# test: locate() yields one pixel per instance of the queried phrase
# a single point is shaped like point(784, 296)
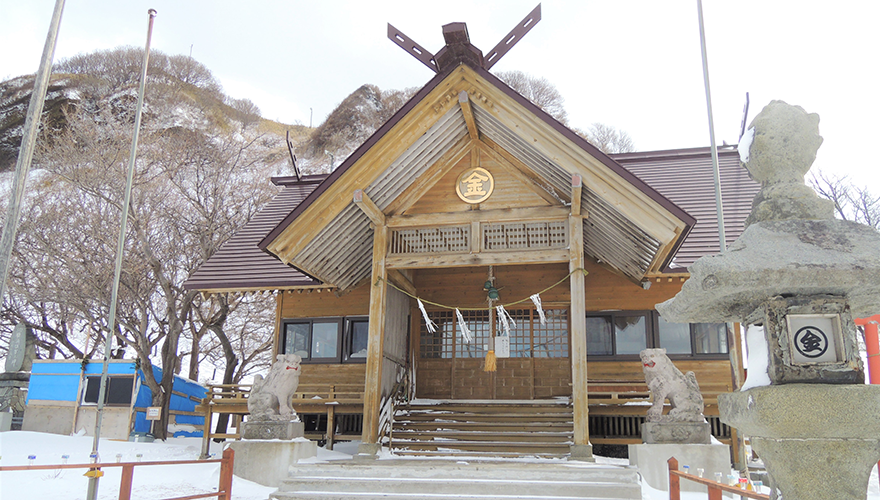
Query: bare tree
point(608, 139)
point(851, 202)
point(539, 91)
point(192, 190)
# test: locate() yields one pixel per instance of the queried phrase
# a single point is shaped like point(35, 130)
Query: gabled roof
point(686, 177)
point(240, 265)
point(631, 227)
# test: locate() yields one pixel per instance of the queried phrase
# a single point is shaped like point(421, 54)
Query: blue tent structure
point(63, 395)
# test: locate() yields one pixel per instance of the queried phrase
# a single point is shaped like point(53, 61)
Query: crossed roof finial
point(458, 46)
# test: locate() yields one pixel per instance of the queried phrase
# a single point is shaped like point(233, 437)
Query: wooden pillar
point(375, 346)
point(581, 449)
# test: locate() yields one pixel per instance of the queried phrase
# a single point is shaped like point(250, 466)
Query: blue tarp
point(59, 381)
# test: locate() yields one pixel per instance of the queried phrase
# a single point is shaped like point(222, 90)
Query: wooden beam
point(401, 281)
point(517, 169)
point(577, 183)
point(469, 216)
point(579, 387)
point(376, 339)
point(433, 260)
point(427, 180)
point(301, 231)
point(369, 208)
point(468, 114)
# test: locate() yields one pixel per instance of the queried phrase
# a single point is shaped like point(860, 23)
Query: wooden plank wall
point(396, 318)
point(509, 191)
point(463, 287)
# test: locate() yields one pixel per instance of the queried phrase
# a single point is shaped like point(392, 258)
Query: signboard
point(814, 338)
point(475, 185)
point(17, 347)
point(153, 412)
point(502, 346)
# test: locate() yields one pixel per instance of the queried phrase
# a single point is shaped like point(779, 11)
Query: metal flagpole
point(721, 240)
point(111, 322)
point(28, 142)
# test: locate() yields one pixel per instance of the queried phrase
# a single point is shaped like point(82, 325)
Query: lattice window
point(551, 340)
point(529, 338)
point(439, 344)
point(525, 235)
point(478, 324)
point(431, 239)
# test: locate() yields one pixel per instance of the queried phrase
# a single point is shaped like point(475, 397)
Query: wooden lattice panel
point(525, 235)
point(431, 240)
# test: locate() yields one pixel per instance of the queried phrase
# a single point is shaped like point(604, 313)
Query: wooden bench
point(323, 399)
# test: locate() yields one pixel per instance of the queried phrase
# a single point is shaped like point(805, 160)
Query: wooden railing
point(224, 488)
point(715, 488)
point(328, 399)
point(617, 392)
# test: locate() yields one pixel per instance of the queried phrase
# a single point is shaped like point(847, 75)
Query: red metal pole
point(674, 481)
point(125, 483)
point(872, 342)
point(226, 465)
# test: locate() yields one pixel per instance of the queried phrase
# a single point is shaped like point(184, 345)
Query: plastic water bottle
point(31, 459)
point(64, 459)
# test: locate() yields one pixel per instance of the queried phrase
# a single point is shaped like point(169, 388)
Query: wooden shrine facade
point(470, 180)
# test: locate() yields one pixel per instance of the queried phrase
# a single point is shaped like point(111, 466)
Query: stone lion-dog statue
point(270, 398)
point(666, 381)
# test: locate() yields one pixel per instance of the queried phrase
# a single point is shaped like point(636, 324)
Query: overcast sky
point(631, 64)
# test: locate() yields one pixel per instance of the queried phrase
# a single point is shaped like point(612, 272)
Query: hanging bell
point(487, 285)
point(493, 293)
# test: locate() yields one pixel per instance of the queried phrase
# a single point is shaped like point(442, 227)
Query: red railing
point(715, 488)
point(224, 490)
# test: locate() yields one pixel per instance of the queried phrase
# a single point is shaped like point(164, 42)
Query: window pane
point(439, 343)
point(478, 324)
point(360, 333)
point(296, 339)
point(93, 385)
point(675, 337)
point(710, 338)
point(599, 336)
point(630, 334)
point(325, 339)
point(521, 334)
point(551, 339)
point(119, 390)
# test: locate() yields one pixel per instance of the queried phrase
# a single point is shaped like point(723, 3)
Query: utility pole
point(28, 142)
point(92, 493)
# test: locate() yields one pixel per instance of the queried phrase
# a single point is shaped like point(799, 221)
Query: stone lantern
point(803, 275)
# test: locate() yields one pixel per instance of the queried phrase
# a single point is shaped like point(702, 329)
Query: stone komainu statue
point(666, 381)
point(269, 398)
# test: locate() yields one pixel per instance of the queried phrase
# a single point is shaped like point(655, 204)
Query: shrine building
point(468, 198)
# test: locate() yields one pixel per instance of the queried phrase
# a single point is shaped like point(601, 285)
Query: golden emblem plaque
point(475, 185)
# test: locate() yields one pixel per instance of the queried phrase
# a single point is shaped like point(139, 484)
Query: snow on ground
point(163, 481)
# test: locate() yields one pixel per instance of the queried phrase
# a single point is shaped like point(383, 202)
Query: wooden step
point(482, 417)
point(495, 446)
point(490, 407)
point(484, 426)
point(439, 436)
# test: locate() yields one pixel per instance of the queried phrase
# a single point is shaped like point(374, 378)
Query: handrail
point(715, 488)
point(224, 489)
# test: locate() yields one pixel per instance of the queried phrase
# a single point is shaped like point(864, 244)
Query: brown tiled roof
point(240, 265)
point(685, 177)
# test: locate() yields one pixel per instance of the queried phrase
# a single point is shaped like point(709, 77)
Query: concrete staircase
point(441, 479)
point(483, 429)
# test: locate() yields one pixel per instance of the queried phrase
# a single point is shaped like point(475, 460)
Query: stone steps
point(420, 479)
